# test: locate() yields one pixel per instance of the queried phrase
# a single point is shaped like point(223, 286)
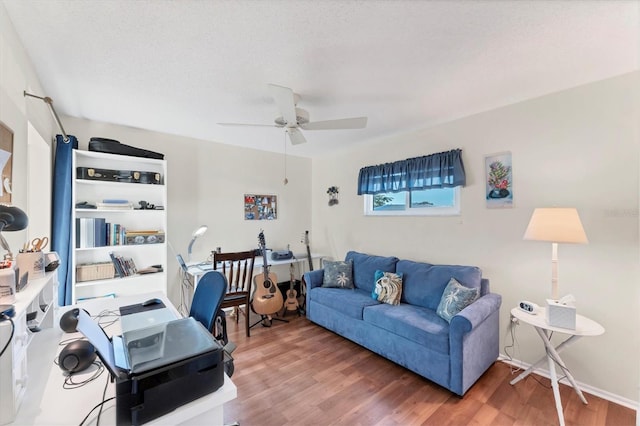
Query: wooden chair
point(238, 269)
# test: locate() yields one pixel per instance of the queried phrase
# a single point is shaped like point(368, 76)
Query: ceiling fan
point(294, 119)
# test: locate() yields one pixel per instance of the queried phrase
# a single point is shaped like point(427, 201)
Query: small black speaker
point(69, 320)
point(76, 356)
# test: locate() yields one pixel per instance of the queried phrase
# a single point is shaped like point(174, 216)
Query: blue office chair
point(207, 298)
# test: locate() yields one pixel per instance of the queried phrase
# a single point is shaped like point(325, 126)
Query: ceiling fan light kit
point(293, 119)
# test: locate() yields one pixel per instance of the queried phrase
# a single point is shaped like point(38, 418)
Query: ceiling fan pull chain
point(286, 181)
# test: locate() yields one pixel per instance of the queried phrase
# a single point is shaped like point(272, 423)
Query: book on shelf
point(124, 266)
point(91, 232)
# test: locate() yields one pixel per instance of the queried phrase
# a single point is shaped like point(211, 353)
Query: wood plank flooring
point(298, 373)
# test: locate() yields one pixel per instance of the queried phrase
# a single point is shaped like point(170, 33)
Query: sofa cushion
point(350, 302)
point(455, 298)
point(420, 325)
point(365, 267)
point(423, 283)
point(387, 288)
point(338, 274)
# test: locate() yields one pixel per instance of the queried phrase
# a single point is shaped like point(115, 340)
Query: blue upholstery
point(365, 267)
point(351, 302)
point(208, 298)
point(424, 283)
point(453, 355)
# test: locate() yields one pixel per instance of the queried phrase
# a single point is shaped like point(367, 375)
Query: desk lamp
point(11, 219)
point(197, 233)
point(556, 225)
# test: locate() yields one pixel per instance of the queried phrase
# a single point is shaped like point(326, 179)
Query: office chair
point(207, 298)
point(238, 269)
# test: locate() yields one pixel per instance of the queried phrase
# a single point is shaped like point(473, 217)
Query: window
point(424, 202)
point(424, 186)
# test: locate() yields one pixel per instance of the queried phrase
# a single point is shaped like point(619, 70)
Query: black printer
point(159, 368)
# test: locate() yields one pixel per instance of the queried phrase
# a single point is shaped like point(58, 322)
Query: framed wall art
point(6, 163)
point(260, 207)
point(498, 180)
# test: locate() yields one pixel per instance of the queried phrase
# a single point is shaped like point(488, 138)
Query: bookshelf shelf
point(95, 192)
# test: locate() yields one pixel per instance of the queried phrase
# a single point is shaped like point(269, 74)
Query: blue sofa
point(452, 354)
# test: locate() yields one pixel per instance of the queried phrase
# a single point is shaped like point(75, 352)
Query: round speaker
point(69, 320)
point(76, 356)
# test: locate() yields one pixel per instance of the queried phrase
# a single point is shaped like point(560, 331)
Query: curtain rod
point(47, 100)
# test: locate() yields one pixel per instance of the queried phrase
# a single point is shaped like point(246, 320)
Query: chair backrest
point(208, 297)
point(237, 267)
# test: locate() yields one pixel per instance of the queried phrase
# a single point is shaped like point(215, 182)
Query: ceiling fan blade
point(285, 101)
point(296, 136)
point(247, 125)
point(344, 123)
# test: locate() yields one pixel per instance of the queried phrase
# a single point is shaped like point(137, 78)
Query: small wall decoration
point(499, 180)
point(333, 192)
point(6, 163)
point(260, 207)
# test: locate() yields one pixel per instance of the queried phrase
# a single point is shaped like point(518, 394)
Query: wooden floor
point(299, 373)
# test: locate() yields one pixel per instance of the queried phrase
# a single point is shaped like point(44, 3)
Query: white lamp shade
point(556, 225)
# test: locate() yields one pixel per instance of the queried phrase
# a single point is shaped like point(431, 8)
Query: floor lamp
point(555, 225)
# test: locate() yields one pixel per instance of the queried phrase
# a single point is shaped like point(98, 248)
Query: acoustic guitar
point(291, 304)
point(267, 298)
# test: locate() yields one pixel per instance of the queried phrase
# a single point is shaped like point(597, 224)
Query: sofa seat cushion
point(423, 283)
point(350, 302)
point(415, 323)
point(365, 267)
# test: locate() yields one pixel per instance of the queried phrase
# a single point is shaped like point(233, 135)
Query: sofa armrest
point(313, 278)
point(467, 319)
point(474, 341)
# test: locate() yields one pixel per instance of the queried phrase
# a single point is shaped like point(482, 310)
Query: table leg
point(556, 389)
point(539, 362)
point(558, 360)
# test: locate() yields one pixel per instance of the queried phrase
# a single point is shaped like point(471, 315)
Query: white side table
point(584, 327)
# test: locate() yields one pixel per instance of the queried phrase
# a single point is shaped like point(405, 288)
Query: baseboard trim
point(617, 399)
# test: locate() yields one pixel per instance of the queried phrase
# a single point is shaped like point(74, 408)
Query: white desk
point(47, 403)
point(584, 327)
point(196, 270)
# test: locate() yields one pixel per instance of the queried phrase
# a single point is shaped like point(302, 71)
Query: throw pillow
point(455, 298)
point(387, 287)
point(338, 274)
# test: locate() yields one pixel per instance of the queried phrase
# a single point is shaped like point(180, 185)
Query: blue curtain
point(61, 217)
point(442, 170)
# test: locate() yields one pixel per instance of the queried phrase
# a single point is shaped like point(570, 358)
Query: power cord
point(13, 329)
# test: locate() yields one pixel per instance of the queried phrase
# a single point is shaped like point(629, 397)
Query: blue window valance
point(441, 170)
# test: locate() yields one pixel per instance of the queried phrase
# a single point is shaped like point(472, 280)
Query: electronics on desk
point(177, 362)
point(77, 356)
point(528, 307)
point(281, 255)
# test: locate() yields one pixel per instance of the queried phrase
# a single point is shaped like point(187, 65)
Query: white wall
point(16, 111)
point(576, 148)
point(206, 182)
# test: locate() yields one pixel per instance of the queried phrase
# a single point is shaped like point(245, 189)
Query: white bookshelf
point(144, 255)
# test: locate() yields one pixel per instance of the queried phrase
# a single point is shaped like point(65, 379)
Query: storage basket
point(94, 271)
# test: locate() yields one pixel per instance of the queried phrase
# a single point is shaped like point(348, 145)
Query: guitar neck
point(309, 258)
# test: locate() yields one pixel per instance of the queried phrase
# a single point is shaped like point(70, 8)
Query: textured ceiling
point(182, 66)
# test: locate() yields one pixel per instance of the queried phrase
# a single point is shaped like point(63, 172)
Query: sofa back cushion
point(424, 283)
point(365, 267)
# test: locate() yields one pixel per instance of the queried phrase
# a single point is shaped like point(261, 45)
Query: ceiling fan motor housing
point(302, 118)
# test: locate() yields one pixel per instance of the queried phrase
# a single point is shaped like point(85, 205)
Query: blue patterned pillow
point(455, 298)
point(338, 274)
point(387, 287)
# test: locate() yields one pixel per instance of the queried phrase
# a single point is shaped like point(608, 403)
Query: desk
point(584, 327)
point(196, 270)
point(47, 403)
